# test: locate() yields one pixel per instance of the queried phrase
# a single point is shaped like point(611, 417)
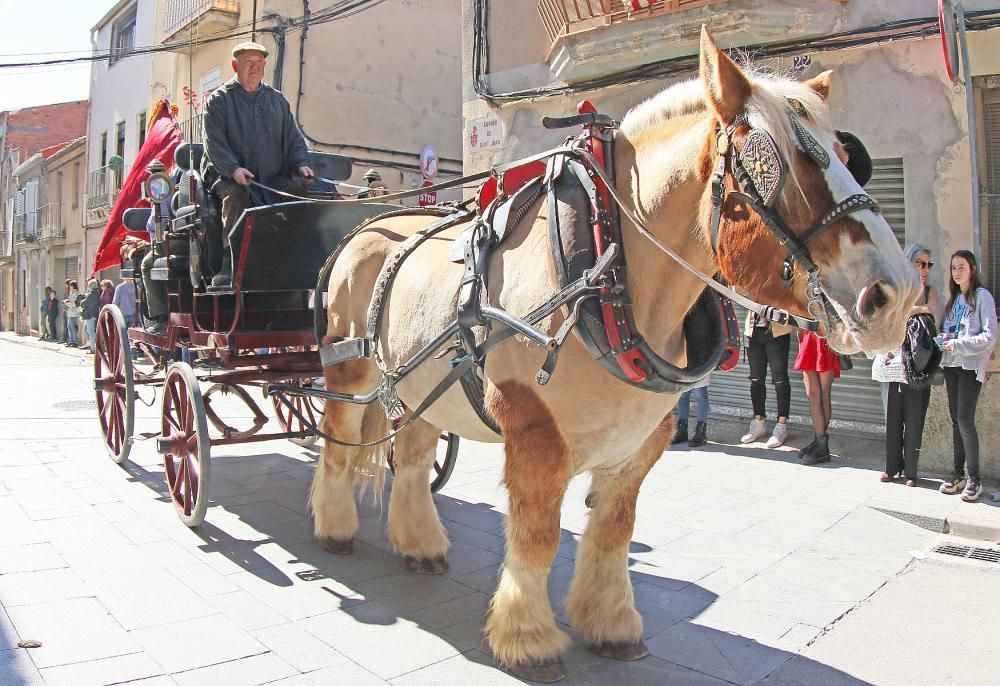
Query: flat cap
point(249, 46)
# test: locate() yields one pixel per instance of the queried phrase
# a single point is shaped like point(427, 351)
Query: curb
point(32, 342)
point(969, 527)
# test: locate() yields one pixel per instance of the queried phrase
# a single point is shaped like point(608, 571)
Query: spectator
point(700, 438)
point(969, 333)
point(91, 309)
point(52, 314)
point(904, 399)
point(107, 292)
point(768, 346)
point(819, 366)
point(125, 300)
point(72, 308)
point(43, 324)
point(65, 325)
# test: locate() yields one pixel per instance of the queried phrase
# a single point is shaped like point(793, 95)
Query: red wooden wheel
point(310, 408)
point(185, 444)
point(113, 383)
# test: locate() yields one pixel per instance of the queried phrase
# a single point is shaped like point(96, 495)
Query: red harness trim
point(632, 362)
point(513, 179)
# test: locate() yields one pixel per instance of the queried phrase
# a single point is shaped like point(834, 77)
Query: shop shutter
point(886, 186)
point(990, 183)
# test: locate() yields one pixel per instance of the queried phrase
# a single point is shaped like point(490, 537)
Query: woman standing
point(107, 292)
point(768, 346)
point(72, 304)
point(91, 310)
point(969, 333)
point(905, 406)
point(819, 366)
point(700, 394)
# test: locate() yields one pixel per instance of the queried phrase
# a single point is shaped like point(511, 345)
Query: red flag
point(163, 138)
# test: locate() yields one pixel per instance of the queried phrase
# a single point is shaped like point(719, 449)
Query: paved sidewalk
point(748, 567)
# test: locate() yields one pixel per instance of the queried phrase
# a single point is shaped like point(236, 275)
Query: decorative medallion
point(762, 161)
point(809, 144)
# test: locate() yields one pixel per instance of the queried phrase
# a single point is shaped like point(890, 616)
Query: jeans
point(766, 350)
point(905, 411)
point(91, 325)
point(963, 396)
point(684, 404)
point(73, 330)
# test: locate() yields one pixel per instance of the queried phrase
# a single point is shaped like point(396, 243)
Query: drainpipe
point(970, 107)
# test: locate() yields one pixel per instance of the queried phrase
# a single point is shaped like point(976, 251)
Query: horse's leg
point(601, 604)
point(331, 498)
point(521, 629)
point(415, 530)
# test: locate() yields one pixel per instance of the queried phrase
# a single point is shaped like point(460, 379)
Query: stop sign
point(425, 199)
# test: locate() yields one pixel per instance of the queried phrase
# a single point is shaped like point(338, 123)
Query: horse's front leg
point(601, 604)
point(414, 528)
point(521, 629)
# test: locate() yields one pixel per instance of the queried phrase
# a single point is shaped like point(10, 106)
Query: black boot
point(699, 439)
point(681, 435)
point(224, 279)
point(820, 453)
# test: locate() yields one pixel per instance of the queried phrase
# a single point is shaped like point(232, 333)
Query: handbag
point(845, 362)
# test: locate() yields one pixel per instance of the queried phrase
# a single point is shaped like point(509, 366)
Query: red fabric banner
point(162, 139)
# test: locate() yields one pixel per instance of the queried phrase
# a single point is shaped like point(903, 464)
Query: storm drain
point(76, 405)
point(967, 551)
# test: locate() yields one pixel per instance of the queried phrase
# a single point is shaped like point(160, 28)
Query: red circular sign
point(949, 40)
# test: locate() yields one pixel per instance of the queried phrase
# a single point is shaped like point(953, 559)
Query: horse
point(585, 420)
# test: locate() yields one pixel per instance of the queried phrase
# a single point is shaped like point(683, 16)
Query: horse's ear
point(726, 86)
point(820, 85)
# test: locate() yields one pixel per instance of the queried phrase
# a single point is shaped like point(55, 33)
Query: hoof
point(427, 565)
point(543, 671)
point(339, 547)
point(621, 651)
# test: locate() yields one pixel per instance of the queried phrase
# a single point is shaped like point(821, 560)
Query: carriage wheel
point(185, 444)
point(113, 383)
point(444, 461)
point(310, 408)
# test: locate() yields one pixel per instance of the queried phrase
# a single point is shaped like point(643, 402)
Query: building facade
point(525, 59)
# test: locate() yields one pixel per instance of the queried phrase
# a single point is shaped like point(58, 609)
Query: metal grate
point(966, 551)
point(76, 405)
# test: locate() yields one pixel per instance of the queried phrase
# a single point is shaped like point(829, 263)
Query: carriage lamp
point(158, 187)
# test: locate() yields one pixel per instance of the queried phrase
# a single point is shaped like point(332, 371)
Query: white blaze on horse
point(584, 419)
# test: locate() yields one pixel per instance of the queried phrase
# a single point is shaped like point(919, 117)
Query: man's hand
point(307, 174)
point(242, 176)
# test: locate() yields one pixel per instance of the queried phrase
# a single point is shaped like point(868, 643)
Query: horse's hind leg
point(601, 604)
point(415, 530)
point(521, 629)
point(335, 514)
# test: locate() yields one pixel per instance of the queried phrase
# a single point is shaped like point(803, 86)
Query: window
point(989, 181)
point(104, 148)
point(59, 187)
point(142, 128)
point(120, 151)
point(123, 35)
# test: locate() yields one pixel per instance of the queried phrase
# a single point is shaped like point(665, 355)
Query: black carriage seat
point(328, 167)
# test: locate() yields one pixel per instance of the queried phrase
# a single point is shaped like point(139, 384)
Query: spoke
point(187, 486)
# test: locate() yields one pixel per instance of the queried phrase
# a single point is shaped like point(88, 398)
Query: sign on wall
point(484, 134)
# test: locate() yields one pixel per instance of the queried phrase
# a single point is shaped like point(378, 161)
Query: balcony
point(182, 18)
point(50, 225)
point(593, 38)
point(191, 128)
point(103, 185)
point(25, 228)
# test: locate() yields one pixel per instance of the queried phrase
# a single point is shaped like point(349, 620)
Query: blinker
point(762, 161)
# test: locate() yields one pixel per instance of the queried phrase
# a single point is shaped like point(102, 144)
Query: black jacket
point(920, 355)
point(92, 304)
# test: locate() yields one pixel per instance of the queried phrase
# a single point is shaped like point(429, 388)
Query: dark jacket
point(52, 309)
point(255, 131)
point(920, 355)
point(92, 304)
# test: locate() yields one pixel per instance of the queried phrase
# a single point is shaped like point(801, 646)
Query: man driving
point(250, 136)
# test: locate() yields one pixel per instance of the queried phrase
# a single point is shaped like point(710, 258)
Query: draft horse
point(675, 171)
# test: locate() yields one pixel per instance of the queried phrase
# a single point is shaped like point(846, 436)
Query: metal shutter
point(991, 184)
point(857, 400)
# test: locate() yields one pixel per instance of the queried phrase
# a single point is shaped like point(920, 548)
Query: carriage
point(229, 341)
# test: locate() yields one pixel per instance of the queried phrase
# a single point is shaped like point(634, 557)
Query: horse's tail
point(371, 463)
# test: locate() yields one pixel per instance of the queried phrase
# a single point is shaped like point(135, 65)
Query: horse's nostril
point(874, 299)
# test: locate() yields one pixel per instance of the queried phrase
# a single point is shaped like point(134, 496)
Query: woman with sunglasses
point(968, 335)
point(905, 401)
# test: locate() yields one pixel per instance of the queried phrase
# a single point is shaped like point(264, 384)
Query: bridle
point(759, 171)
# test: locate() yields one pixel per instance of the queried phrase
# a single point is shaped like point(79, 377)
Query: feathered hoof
point(620, 651)
point(546, 671)
point(336, 547)
point(427, 565)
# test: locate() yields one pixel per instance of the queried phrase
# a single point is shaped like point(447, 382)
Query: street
point(748, 567)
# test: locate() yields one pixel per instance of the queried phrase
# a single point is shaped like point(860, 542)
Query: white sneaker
point(778, 437)
point(758, 429)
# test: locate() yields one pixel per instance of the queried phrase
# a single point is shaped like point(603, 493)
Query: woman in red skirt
point(819, 366)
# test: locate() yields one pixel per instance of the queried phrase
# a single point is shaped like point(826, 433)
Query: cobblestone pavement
point(745, 563)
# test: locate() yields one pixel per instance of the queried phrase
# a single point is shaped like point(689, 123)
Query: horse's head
point(790, 172)
point(786, 220)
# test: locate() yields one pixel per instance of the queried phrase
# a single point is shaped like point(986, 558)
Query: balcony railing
point(102, 188)
point(191, 128)
point(211, 15)
point(564, 17)
point(50, 225)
